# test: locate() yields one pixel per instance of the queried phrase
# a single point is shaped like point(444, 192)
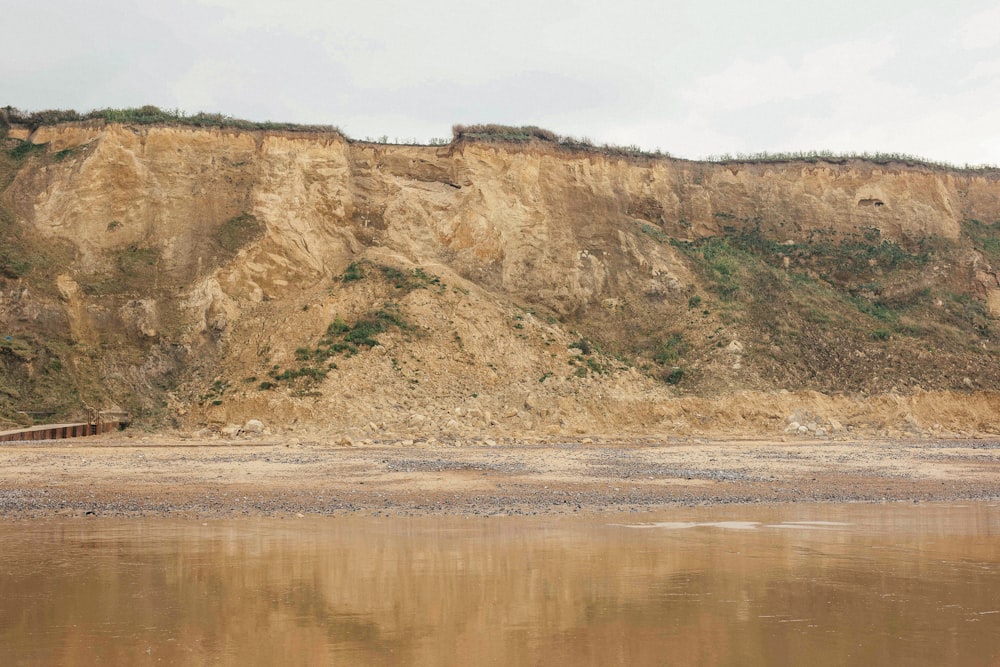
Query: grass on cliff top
point(487, 133)
point(831, 157)
point(149, 115)
point(494, 133)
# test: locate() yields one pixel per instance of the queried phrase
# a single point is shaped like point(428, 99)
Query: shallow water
point(807, 584)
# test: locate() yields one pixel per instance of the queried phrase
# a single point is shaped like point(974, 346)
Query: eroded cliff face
point(488, 209)
point(206, 276)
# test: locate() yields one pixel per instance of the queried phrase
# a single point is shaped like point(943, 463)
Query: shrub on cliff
point(503, 133)
point(151, 115)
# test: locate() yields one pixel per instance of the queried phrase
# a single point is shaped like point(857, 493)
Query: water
point(817, 585)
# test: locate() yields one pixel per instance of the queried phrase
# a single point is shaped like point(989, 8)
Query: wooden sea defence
point(103, 422)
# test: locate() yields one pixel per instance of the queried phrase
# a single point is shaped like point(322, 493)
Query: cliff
point(200, 277)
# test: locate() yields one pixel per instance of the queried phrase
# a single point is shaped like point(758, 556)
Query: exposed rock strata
point(532, 247)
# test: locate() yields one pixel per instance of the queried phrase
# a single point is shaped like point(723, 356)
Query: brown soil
point(171, 475)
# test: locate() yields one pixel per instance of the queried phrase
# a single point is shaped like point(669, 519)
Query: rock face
point(993, 303)
point(218, 260)
point(531, 218)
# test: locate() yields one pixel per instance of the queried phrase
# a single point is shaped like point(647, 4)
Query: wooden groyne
point(103, 423)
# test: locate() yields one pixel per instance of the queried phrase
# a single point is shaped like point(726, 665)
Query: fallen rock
point(253, 426)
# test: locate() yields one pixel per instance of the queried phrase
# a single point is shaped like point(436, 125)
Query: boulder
point(253, 426)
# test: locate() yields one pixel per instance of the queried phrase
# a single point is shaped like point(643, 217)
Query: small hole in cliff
point(871, 202)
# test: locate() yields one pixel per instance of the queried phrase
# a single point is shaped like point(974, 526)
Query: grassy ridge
point(149, 115)
point(483, 133)
point(766, 157)
point(494, 133)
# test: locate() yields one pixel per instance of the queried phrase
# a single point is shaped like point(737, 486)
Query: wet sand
point(176, 475)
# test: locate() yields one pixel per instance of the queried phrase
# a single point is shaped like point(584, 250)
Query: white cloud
point(988, 70)
point(201, 85)
point(396, 43)
point(958, 127)
point(836, 69)
point(690, 78)
point(691, 135)
point(982, 31)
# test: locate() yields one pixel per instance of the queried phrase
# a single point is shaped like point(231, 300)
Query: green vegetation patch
point(966, 312)
point(731, 261)
point(34, 377)
point(12, 263)
point(669, 351)
point(364, 331)
point(667, 355)
point(874, 308)
point(151, 115)
point(832, 157)
point(673, 375)
point(503, 133)
point(355, 271)
point(524, 134)
point(18, 348)
point(985, 238)
point(723, 263)
point(239, 231)
point(215, 393)
point(25, 149)
point(652, 232)
point(584, 345)
point(309, 373)
point(25, 256)
point(340, 338)
point(402, 280)
point(587, 360)
point(136, 260)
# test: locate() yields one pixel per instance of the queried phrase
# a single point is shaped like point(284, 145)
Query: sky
point(692, 78)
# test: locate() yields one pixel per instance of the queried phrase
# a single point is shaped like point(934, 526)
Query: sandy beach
point(178, 475)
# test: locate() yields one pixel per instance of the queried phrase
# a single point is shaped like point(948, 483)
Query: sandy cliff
point(201, 277)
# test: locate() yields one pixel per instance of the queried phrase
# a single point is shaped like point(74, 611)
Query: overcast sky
point(693, 78)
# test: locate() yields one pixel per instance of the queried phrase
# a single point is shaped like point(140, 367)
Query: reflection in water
point(827, 585)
